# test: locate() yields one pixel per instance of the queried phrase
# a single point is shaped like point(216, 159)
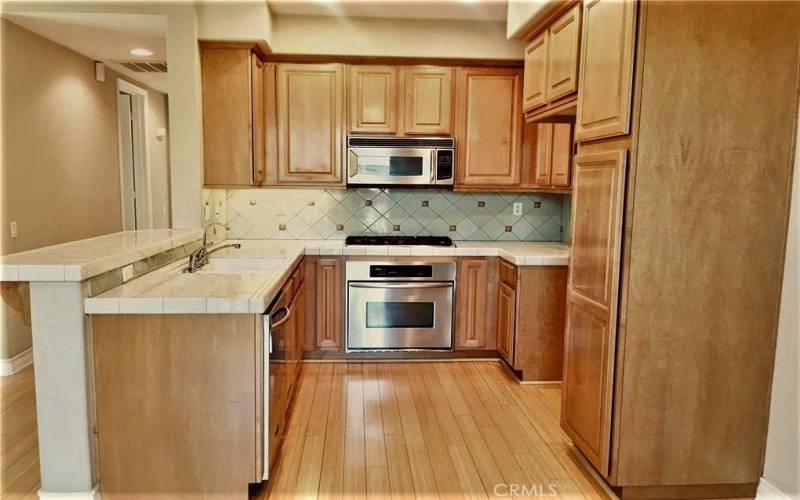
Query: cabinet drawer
point(508, 273)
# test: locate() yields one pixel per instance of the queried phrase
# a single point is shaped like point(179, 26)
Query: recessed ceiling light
point(141, 52)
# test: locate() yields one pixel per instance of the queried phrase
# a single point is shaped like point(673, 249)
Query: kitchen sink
point(241, 265)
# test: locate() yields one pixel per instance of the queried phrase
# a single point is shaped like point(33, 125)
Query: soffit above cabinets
point(476, 10)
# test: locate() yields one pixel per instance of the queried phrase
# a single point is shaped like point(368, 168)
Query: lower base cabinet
point(531, 308)
point(179, 398)
point(179, 402)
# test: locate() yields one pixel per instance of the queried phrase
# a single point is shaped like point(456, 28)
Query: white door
point(135, 206)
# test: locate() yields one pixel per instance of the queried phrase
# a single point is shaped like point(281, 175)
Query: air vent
point(399, 142)
point(144, 66)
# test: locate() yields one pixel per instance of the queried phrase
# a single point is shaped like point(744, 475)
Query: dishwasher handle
point(277, 324)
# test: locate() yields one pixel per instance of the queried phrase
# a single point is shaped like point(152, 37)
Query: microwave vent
point(400, 142)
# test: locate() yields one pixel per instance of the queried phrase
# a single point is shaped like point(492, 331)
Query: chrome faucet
point(199, 257)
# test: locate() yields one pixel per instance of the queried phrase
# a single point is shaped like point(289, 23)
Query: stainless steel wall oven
point(400, 305)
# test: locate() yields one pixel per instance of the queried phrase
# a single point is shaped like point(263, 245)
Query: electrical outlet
point(517, 209)
point(14, 232)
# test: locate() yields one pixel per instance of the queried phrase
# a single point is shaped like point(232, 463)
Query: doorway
point(135, 188)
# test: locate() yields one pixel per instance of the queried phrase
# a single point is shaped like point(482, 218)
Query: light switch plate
point(14, 232)
point(517, 208)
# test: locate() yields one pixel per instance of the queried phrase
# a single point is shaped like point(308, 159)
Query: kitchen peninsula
point(170, 342)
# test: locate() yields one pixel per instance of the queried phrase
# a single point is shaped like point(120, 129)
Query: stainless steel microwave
point(405, 161)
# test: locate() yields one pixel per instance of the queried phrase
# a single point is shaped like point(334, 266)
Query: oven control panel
point(400, 271)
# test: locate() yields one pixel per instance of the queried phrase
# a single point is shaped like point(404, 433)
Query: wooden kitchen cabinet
point(535, 75)
point(488, 127)
point(329, 304)
point(592, 299)
point(531, 306)
point(551, 66)
point(234, 142)
point(553, 156)
point(374, 99)
point(473, 314)
point(428, 100)
point(310, 118)
point(167, 386)
point(506, 314)
point(546, 156)
point(562, 55)
point(606, 69)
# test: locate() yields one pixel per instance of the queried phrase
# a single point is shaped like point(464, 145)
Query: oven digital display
point(400, 271)
point(400, 315)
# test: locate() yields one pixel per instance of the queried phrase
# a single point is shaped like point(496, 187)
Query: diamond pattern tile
point(316, 213)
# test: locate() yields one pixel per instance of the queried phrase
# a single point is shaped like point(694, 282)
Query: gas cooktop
point(435, 241)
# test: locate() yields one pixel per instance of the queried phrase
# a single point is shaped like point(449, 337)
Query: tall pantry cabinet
point(680, 208)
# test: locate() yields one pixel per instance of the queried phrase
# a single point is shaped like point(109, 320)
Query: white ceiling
point(473, 10)
point(104, 37)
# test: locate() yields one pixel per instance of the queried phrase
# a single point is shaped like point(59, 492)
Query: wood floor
point(425, 430)
point(19, 450)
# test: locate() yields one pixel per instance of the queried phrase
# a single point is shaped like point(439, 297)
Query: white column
point(63, 389)
point(185, 117)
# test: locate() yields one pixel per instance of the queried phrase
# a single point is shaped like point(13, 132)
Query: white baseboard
point(10, 366)
point(92, 494)
point(768, 491)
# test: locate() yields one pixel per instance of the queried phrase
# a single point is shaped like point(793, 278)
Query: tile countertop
point(170, 291)
point(84, 259)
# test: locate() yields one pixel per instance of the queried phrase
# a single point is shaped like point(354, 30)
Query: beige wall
point(392, 37)
point(523, 14)
point(782, 462)
point(60, 159)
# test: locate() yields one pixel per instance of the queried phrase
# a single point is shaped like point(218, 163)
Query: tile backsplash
point(335, 214)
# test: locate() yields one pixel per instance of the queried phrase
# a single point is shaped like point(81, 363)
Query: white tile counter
point(84, 259)
point(170, 291)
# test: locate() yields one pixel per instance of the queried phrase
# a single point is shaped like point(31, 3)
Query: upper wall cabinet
point(562, 55)
point(535, 74)
point(373, 93)
point(488, 126)
point(604, 91)
point(233, 116)
point(551, 65)
point(428, 105)
point(310, 114)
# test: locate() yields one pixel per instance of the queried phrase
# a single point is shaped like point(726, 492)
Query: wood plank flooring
point(19, 449)
point(425, 430)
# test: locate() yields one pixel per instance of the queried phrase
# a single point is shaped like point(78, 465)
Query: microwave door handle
point(433, 166)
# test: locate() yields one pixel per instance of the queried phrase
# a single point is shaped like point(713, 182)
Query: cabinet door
point(506, 313)
point(544, 154)
point(258, 120)
point(373, 99)
point(473, 281)
point(489, 126)
point(562, 55)
point(227, 132)
point(535, 72)
point(310, 123)
point(592, 296)
point(606, 69)
point(428, 100)
point(561, 155)
point(330, 289)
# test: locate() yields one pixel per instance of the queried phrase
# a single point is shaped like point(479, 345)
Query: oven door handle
point(401, 285)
